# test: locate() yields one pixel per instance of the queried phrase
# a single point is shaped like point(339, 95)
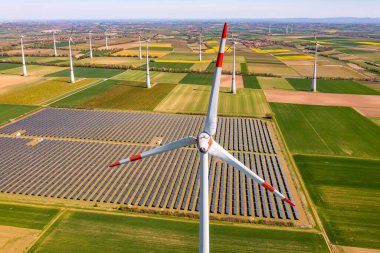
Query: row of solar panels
point(79, 170)
point(241, 134)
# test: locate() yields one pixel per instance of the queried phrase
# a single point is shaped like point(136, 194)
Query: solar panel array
point(241, 134)
point(73, 169)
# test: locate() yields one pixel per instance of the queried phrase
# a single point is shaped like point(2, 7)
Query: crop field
point(327, 130)
point(189, 56)
point(10, 82)
point(344, 191)
point(25, 216)
point(38, 92)
point(167, 77)
point(194, 99)
point(143, 53)
point(170, 65)
point(142, 99)
point(153, 48)
point(251, 82)
point(124, 61)
point(135, 75)
point(34, 70)
point(333, 86)
point(84, 232)
point(195, 78)
point(274, 69)
point(77, 99)
point(274, 83)
point(8, 111)
point(82, 72)
point(174, 187)
point(6, 66)
point(335, 71)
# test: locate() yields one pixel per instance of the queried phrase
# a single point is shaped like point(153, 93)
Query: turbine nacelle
point(204, 142)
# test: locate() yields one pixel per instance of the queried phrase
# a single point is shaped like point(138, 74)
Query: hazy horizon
point(186, 9)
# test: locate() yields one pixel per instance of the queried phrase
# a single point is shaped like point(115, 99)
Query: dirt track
point(368, 105)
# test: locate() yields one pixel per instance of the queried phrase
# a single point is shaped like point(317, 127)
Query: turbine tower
point(72, 78)
point(89, 36)
point(206, 146)
point(24, 72)
point(106, 35)
point(55, 46)
point(270, 29)
point(200, 45)
point(233, 84)
point(314, 79)
point(147, 60)
point(140, 55)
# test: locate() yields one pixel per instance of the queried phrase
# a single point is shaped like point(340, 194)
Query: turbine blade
point(174, 145)
point(219, 152)
point(212, 112)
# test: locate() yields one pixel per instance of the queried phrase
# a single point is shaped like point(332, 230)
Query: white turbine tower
point(89, 36)
point(72, 78)
point(208, 146)
point(140, 54)
point(106, 36)
point(147, 60)
point(200, 45)
point(55, 46)
point(233, 84)
point(314, 79)
point(24, 72)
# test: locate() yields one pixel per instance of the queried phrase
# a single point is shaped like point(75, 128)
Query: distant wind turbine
point(147, 60)
point(314, 80)
point(72, 78)
point(140, 54)
point(206, 146)
point(89, 36)
point(200, 45)
point(270, 29)
point(106, 36)
point(24, 72)
point(55, 46)
point(233, 83)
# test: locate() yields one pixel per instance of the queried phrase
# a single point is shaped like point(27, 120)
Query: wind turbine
point(270, 29)
point(106, 36)
point(72, 78)
point(89, 36)
point(140, 55)
point(24, 72)
point(233, 84)
point(208, 146)
point(55, 46)
point(314, 79)
point(200, 45)
point(147, 59)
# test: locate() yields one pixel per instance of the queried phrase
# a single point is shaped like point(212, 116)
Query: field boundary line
point(46, 229)
point(70, 93)
point(303, 186)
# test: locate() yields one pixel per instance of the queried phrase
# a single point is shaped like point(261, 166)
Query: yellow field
point(295, 57)
point(185, 61)
point(370, 43)
point(216, 50)
point(330, 31)
point(136, 52)
point(209, 42)
point(270, 51)
point(160, 45)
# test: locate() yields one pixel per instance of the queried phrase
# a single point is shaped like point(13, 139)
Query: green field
point(129, 96)
point(8, 112)
point(39, 92)
point(345, 192)
point(81, 97)
point(170, 65)
point(82, 72)
point(92, 232)
point(25, 216)
point(274, 83)
point(5, 66)
point(194, 99)
point(244, 68)
point(251, 82)
point(135, 75)
point(333, 86)
point(189, 56)
point(327, 130)
point(194, 78)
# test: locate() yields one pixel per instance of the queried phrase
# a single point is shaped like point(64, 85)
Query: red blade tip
point(225, 30)
point(114, 164)
point(289, 202)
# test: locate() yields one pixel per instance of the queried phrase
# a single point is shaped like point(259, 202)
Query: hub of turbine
point(204, 142)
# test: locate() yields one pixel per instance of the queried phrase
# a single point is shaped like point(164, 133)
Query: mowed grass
point(95, 232)
point(135, 75)
point(82, 72)
point(251, 82)
point(333, 86)
point(5, 66)
point(327, 130)
point(195, 78)
point(274, 83)
point(194, 99)
point(8, 111)
point(38, 92)
point(25, 216)
point(75, 100)
point(345, 192)
point(129, 96)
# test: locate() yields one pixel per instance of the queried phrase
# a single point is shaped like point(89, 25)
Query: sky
point(185, 9)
